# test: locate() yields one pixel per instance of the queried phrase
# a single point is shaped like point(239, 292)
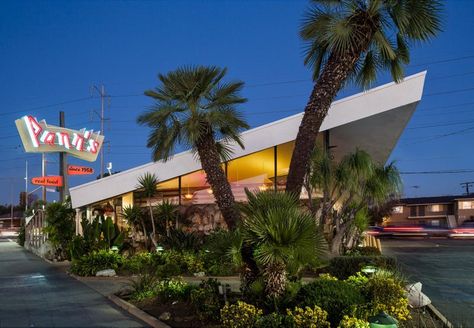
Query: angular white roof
point(372, 120)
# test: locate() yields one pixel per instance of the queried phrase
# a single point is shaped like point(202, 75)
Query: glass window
point(436, 208)
point(465, 205)
point(412, 210)
point(195, 189)
point(168, 190)
point(255, 172)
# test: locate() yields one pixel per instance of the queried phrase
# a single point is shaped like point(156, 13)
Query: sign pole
point(43, 173)
point(63, 191)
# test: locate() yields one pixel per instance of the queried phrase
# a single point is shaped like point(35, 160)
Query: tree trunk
point(152, 224)
point(332, 78)
point(275, 280)
point(336, 242)
point(211, 164)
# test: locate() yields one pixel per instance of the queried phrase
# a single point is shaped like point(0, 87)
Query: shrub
point(21, 234)
point(60, 227)
point(240, 315)
point(272, 320)
point(344, 266)
point(352, 322)
point(145, 286)
point(89, 265)
point(138, 263)
point(168, 270)
point(386, 293)
point(308, 317)
point(179, 239)
point(365, 251)
point(205, 299)
point(335, 296)
point(173, 289)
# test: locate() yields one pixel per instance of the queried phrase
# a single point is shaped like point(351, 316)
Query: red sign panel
point(79, 170)
point(53, 181)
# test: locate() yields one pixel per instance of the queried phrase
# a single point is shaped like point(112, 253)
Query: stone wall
point(202, 218)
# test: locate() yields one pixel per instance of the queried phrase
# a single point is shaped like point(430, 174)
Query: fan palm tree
point(194, 107)
point(147, 182)
point(284, 238)
point(354, 183)
point(353, 40)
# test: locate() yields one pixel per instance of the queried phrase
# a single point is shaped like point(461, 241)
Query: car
point(465, 230)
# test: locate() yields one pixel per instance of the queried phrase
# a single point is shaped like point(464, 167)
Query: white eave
point(377, 117)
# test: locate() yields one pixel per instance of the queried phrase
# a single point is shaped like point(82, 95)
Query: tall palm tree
point(284, 237)
point(354, 39)
point(194, 107)
point(167, 212)
point(147, 182)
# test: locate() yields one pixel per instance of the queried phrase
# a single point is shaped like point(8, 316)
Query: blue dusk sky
point(53, 52)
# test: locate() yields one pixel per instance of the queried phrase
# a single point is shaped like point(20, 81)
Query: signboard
point(79, 170)
point(52, 181)
point(39, 137)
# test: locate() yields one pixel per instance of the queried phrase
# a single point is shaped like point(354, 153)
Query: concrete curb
point(439, 315)
point(136, 312)
point(128, 307)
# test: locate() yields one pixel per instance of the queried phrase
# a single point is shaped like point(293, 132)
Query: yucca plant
point(352, 40)
point(147, 183)
point(134, 216)
point(284, 237)
point(167, 212)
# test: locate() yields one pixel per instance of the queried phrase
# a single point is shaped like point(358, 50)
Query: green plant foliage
point(335, 296)
point(173, 289)
point(90, 264)
point(272, 320)
point(111, 233)
point(343, 267)
point(60, 226)
point(352, 322)
point(20, 239)
point(240, 315)
point(365, 251)
point(182, 240)
point(309, 317)
point(387, 293)
point(142, 262)
point(222, 252)
point(205, 300)
point(284, 237)
point(143, 287)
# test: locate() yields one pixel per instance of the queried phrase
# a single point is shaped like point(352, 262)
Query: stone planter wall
point(202, 218)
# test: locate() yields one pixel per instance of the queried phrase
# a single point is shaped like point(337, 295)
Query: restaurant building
point(372, 121)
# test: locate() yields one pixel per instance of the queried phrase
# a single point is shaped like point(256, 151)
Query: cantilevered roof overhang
point(372, 120)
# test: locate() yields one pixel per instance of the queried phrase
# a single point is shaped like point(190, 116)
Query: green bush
point(309, 317)
point(138, 263)
point(352, 322)
point(173, 289)
point(60, 227)
point(365, 251)
point(343, 267)
point(179, 239)
point(168, 270)
point(143, 287)
point(240, 315)
point(272, 320)
point(335, 296)
point(89, 265)
point(205, 299)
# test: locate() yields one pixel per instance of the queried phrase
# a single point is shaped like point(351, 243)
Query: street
point(34, 293)
point(446, 269)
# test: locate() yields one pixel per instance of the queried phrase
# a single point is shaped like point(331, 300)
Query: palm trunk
point(332, 78)
point(152, 224)
point(211, 164)
point(210, 161)
point(275, 280)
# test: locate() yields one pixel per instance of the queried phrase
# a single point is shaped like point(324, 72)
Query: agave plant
point(284, 237)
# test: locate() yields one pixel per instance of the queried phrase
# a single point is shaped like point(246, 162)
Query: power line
point(47, 106)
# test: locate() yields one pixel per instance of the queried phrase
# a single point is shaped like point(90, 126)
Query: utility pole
point(466, 185)
point(63, 191)
point(102, 95)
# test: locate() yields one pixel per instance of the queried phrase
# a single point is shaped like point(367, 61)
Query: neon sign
point(39, 137)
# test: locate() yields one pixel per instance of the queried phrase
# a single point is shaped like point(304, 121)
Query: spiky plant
point(134, 216)
point(195, 108)
point(352, 40)
point(147, 183)
point(284, 238)
point(167, 212)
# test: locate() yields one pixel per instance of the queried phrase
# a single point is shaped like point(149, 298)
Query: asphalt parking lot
point(446, 269)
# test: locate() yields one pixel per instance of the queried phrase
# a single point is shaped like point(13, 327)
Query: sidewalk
point(38, 294)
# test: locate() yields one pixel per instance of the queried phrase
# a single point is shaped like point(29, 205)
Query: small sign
point(52, 181)
point(79, 170)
